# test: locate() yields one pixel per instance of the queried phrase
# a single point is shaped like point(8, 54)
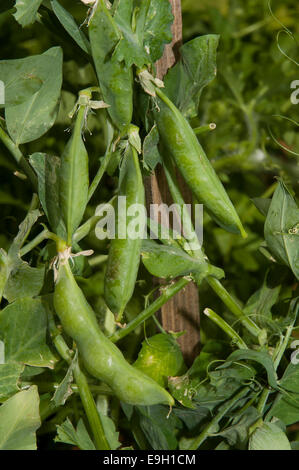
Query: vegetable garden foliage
point(70, 373)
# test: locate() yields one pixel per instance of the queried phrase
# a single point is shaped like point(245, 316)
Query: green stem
point(168, 293)
point(226, 328)
point(233, 306)
point(89, 405)
point(19, 157)
point(194, 445)
point(89, 225)
point(98, 177)
point(44, 235)
point(204, 129)
point(91, 411)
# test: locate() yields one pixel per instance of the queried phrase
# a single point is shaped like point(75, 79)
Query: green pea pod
point(116, 81)
point(125, 249)
point(74, 178)
point(100, 356)
point(182, 144)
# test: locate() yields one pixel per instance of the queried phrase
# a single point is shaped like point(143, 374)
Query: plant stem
point(204, 129)
point(44, 235)
point(205, 433)
point(19, 157)
point(227, 299)
point(168, 293)
point(226, 328)
point(89, 405)
point(91, 411)
point(99, 175)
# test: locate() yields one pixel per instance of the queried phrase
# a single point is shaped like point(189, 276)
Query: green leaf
point(32, 87)
point(9, 378)
point(269, 437)
point(195, 70)
point(262, 204)
point(19, 420)
point(110, 432)
point(169, 262)
point(286, 406)
point(160, 357)
point(26, 13)
point(23, 327)
point(282, 228)
point(64, 390)
point(47, 168)
point(17, 278)
point(237, 433)
point(261, 302)
point(262, 358)
point(70, 25)
point(66, 433)
point(24, 281)
point(144, 43)
point(158, 427)
point(151, 154)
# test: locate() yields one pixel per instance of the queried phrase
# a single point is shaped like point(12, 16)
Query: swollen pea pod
point(100, 356)
point(182, 144)
point(125, 248)
point(116, 80)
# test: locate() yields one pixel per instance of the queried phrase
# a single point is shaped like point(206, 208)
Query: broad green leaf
point(70, 25)
point(74, 178)
point(144, 43)
point(169, 262)
point(237, 433)
point(282, 228)
point(26, 13)
point(286, 406)
point(269, 437)
point(9, 378)
point(47, 170)
point(17, 278)
point(32, 87)
point(19, 420)
point(160, 357)
point(262, 358)
point(110, 432)
point(195, 70)
point(158, 426)
point(23, 327)
point(24, 281)
point(66, 433)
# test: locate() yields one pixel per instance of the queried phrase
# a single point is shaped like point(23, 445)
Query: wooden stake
point(181, 312)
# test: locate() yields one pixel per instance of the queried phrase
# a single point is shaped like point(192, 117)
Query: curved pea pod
point(100, 356)
point(116, 80)
point(160, 357)
point(125, 249)
point(74, 178)
point(183, 146)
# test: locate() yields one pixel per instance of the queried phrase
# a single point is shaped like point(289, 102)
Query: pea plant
point(84, 360)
